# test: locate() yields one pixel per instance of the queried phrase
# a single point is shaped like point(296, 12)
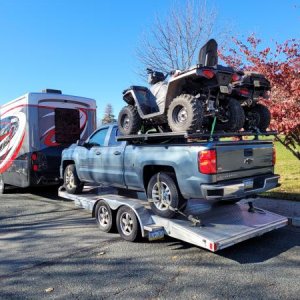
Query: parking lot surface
point(50, 249)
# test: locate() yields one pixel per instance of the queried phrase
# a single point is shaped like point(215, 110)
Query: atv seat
point(145, 100)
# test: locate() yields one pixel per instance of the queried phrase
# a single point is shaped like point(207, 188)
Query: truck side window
point(99, 137)
point(112, 139)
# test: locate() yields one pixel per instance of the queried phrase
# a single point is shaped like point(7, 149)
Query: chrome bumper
point(241, 189)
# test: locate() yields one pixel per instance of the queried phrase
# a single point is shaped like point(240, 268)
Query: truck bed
point(218, 226)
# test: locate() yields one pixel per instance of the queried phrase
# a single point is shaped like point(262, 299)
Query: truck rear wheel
point(164, 195)
point(129, 121)
point(128, 225)
point(185, 113)
point(104, 217)
point(2, 185)
point(71, 181)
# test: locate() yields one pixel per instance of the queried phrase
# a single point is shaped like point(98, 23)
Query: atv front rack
point(192, 137)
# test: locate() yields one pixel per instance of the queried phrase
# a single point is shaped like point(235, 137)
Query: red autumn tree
point(281, 65)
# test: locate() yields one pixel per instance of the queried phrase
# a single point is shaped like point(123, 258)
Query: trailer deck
point(213, 226)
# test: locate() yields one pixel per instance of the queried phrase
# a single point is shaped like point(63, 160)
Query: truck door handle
point(117, 153)
point(98, 152)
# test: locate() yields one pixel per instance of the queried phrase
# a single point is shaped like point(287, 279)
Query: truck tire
point(185, 113)
point(104, 217)
point(257, 116)
point(232, 117)
point(72, 183)
point(164, 205)
point(128, 225)
point(129, 120)
point(2, 185)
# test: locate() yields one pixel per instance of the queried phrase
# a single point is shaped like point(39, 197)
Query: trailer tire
point(2, 185)
point(128, 225)
point(72, 183)
point(104, 217)
point(171, 195)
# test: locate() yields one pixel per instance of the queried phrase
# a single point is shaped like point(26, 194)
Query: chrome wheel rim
point(180, 114)
point(69, 179)
point(126, 223)
point(103, 216)
point(161, 198)
point(126, 122)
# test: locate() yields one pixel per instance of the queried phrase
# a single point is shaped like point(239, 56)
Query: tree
point(281, 66)
point(108, 115)
point(173, 43)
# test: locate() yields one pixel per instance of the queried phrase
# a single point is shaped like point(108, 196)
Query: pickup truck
point(171, 171)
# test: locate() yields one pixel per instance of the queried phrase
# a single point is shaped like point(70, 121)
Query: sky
point(88, 48)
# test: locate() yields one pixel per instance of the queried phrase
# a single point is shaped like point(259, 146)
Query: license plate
point(248, 184)
point(256, 83)
point(156, 234)
point(224, 89)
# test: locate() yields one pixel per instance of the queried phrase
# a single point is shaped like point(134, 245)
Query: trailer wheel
point(164, 195)
point(2, 185)
point(104, 217)
point(71, 181)
point(128, 225)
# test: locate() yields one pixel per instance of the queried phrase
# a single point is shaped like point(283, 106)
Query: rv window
point(67, 125)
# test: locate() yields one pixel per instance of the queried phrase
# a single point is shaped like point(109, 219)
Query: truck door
point(112, 157)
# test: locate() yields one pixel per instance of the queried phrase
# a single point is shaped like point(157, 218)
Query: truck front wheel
point(71, 181)
point(164, 195)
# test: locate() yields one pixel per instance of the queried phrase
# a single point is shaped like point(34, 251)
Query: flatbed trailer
point(213, 226)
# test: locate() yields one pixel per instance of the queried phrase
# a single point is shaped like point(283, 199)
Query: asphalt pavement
point(50, 249)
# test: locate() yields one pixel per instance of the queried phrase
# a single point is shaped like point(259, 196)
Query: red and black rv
point(34, 129)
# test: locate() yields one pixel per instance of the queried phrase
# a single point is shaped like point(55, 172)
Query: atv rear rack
point(192, 137)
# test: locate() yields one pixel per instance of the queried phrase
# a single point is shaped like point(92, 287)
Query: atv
point(189, 100)
point(248, 87)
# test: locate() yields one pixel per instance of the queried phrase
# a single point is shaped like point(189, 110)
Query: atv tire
point(233, 117)
point(129, 121)
point(185, 113)
point(258, 117)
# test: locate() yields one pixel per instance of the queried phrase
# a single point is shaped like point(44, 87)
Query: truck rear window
point(67, 125)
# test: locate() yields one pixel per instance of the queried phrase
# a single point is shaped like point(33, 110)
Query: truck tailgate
point(241, 158)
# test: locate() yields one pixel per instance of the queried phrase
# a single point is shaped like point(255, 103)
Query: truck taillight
point(207, 161)
point(274, 157)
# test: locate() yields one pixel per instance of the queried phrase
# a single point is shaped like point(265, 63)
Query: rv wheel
point(164, 195)
point(129, 121)
point(185, 113)
point(231, 116)
point(258, 116)
point(104, 216)
point(128, 225)
point(2, 185)
point(71, 181)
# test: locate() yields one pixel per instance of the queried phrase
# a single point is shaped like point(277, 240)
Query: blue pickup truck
point(171, 170)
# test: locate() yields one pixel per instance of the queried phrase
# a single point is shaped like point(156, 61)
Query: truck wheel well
point(149, 171)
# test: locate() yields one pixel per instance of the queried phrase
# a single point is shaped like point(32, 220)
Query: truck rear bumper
point(239, 189)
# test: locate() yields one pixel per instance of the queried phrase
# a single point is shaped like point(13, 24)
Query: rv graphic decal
point(12, 132)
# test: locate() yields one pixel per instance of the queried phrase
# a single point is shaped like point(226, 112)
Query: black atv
point(248, 87)
point(189, 100)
